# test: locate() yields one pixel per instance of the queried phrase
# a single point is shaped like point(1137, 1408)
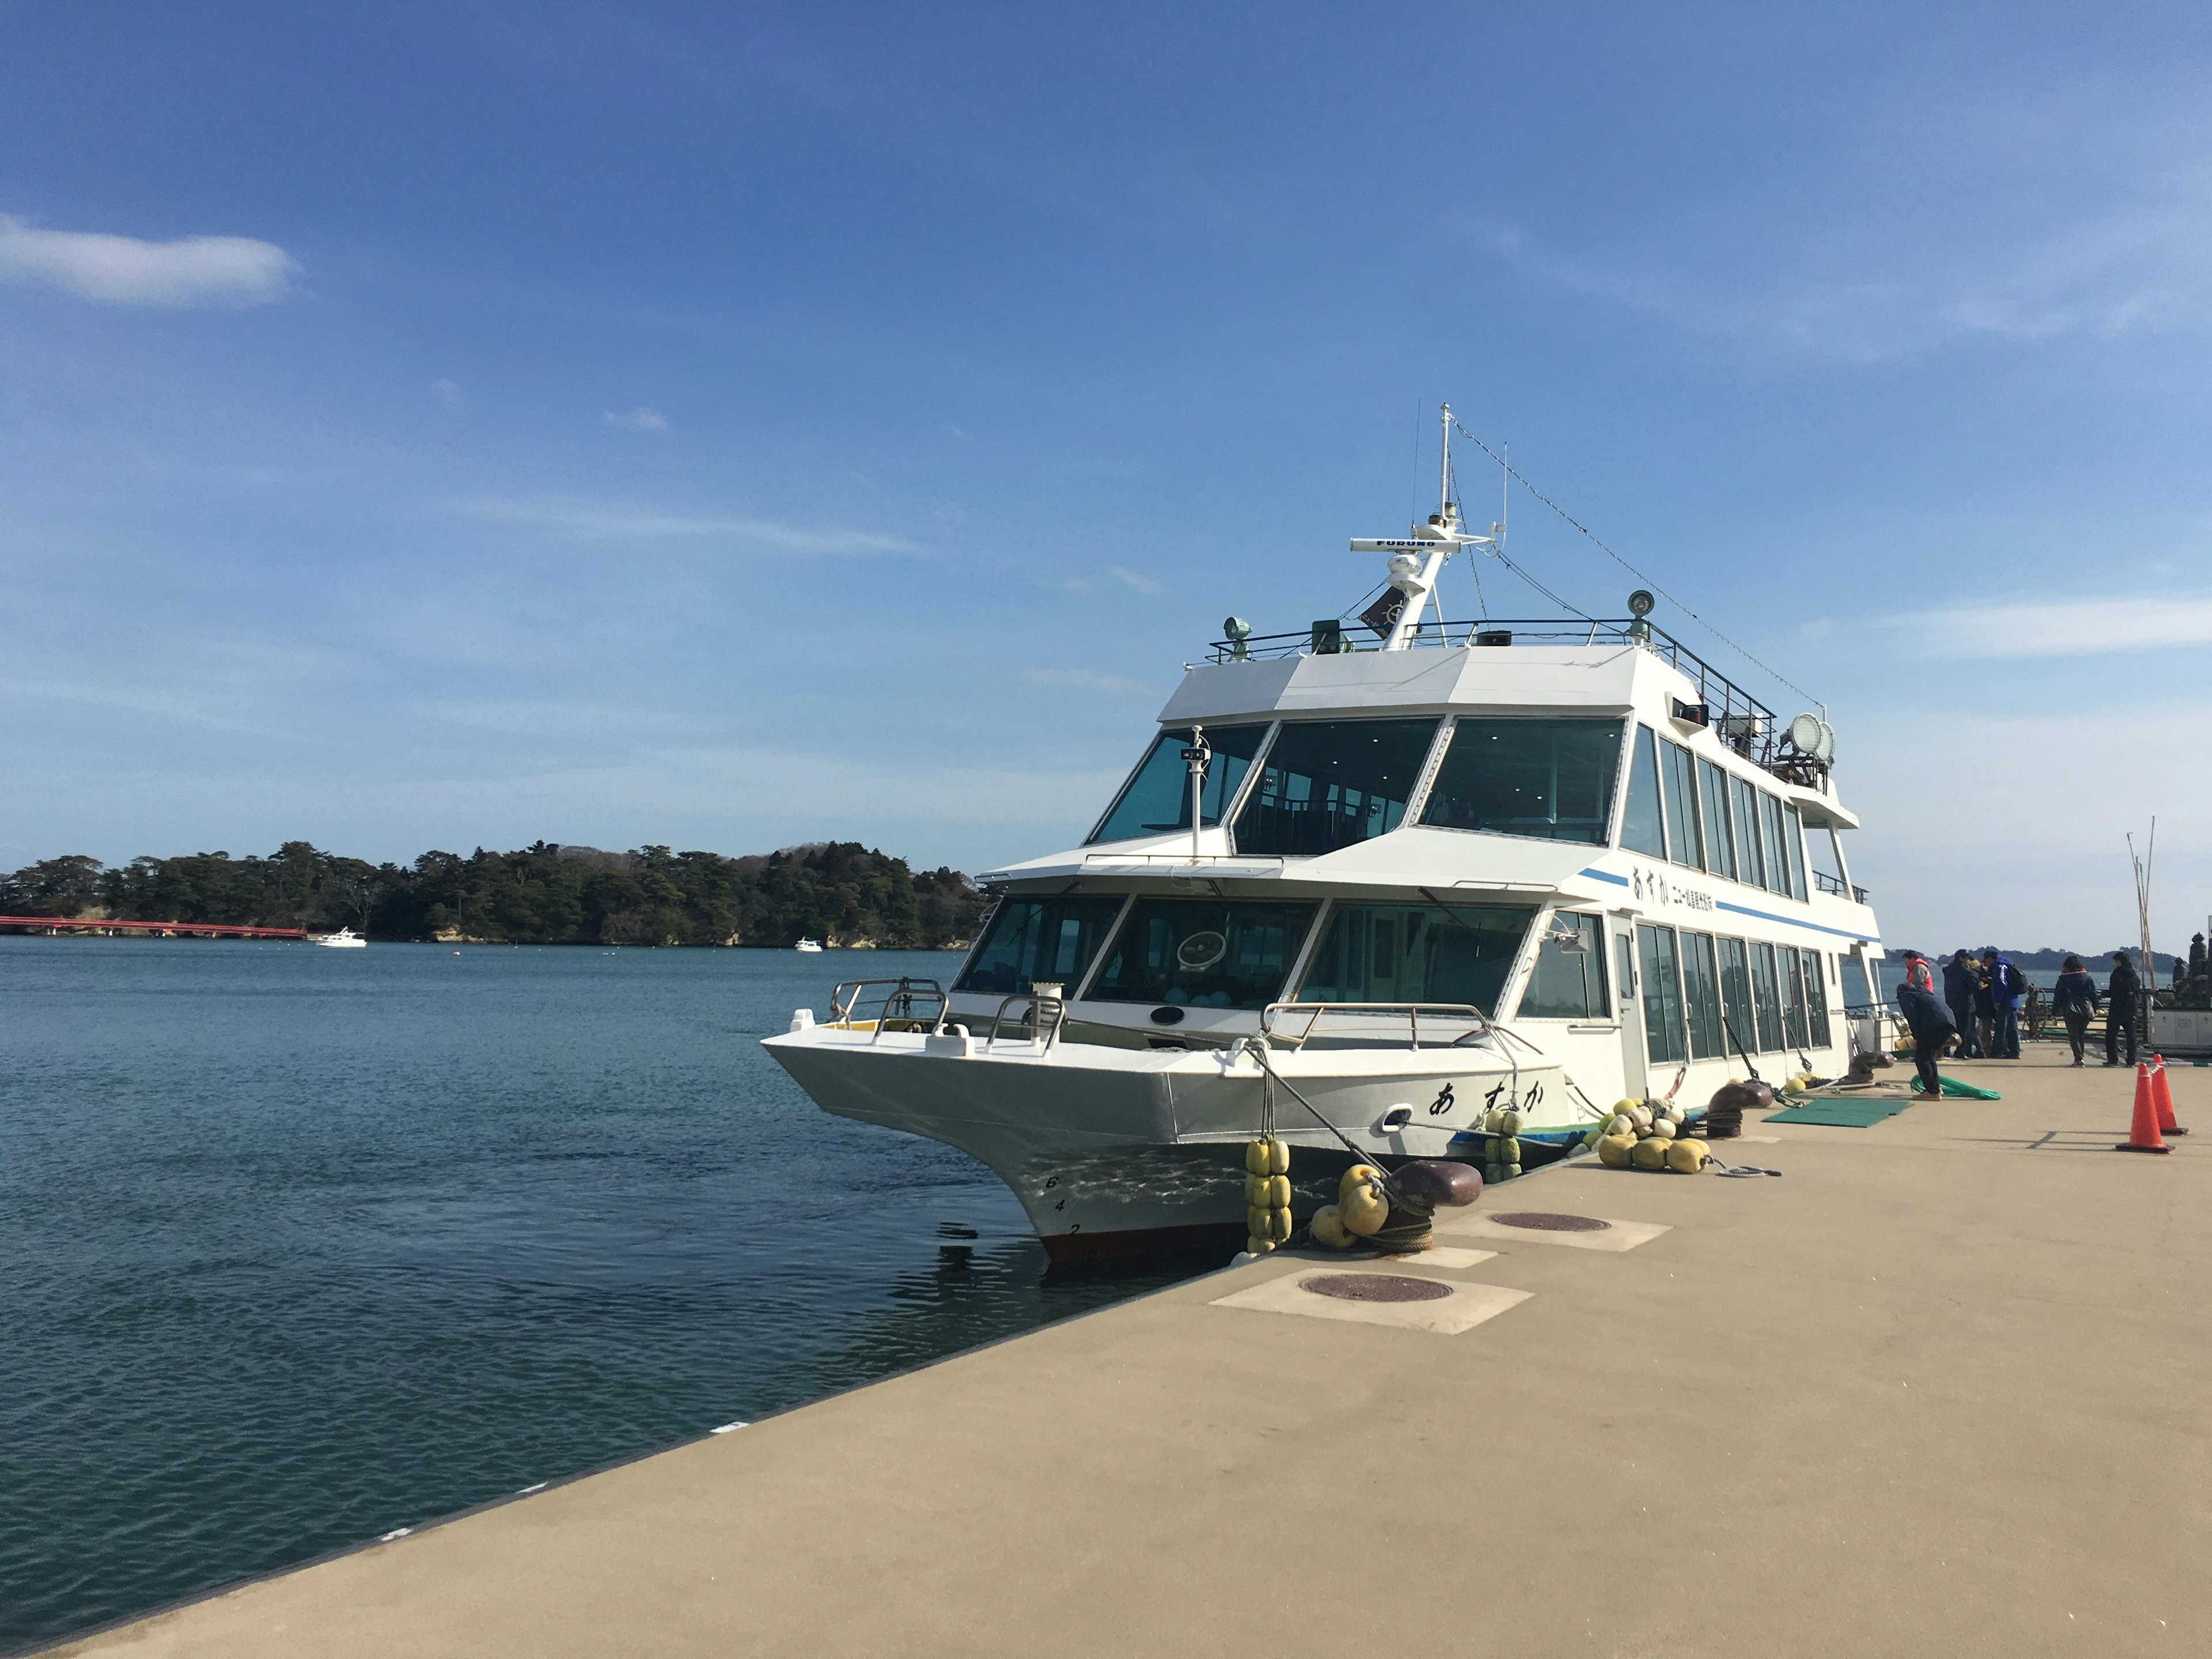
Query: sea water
point(299, 1247)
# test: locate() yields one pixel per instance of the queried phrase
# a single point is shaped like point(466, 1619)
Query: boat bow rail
point(1475, 1026)
point(877, 1005)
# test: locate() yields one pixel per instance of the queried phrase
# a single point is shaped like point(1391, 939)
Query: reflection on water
point(298, 1246)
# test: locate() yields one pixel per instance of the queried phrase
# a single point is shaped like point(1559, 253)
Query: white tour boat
point(810, 946)
point(345, 940)
point(1373, 890)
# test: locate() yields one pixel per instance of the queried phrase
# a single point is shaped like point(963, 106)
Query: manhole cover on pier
point(1376, 1287)
point(1539, 1221)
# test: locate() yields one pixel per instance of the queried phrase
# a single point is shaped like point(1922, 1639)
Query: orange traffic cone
point(2162, 1096)
point(2143, 1136)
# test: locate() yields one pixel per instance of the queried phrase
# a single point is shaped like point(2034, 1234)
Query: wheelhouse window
point(1157, 798)
point(1549, 778)
point(1662, 994)
point(1701, 996)
point(1568, 981)
point(1641, 829)
point(1205, 953)
point(1720, 842)
point(1331, 784)
point(1677, 771)
point(1031, 940)
point(1416, 953)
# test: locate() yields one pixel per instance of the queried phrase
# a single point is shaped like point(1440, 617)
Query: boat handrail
point(1044, 1020)
point(895, 1004)
point(1463, 1013)
point(1827, 883)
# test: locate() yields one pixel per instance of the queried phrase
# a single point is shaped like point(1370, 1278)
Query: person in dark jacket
point(2120, 992)
point(1932, 1031)
point(1985, 1013)
point(2075, 997)
point(2006, 989)
point(1961, 981)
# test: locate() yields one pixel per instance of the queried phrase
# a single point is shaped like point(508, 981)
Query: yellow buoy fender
point(1624, 1106)
point(1663, 1129)
point(1256, 1222)
point(1278, 1158)
point(1256, 1246)
point(1279, 1192)
point(1796, 1085)
point(1687, 1157)
point(1649, 1154)
point(1621, 1124)
point(1507, 1151)
point(1255, 1158)
point(1642, 1118)
point(1255, 1192)
point(1614, 1150)
point(1329, 1228)
point(1363, 1209)
point(1510, 1123)
point(1358, 1176)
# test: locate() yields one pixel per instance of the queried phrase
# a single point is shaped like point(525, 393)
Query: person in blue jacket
point(2006, 987)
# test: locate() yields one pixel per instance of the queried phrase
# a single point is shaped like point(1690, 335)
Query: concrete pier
point(1940, 1389)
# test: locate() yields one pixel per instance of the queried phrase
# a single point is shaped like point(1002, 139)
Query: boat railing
point(1742, 720)
point(1469, 1020)
point(1828, 884)
point(877, 1005)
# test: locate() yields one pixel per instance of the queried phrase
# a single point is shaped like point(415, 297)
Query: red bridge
point(167, 929)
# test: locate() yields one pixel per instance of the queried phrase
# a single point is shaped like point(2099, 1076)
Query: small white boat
point(812, 946)
point(345, 940)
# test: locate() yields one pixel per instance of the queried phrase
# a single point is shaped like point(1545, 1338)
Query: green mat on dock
point(1840, 1114)
point(1955, 1090)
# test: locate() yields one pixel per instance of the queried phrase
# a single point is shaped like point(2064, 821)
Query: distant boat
point(812, 945)
point(345, 940)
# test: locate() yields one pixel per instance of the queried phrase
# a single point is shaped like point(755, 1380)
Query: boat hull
point(1119, 1156)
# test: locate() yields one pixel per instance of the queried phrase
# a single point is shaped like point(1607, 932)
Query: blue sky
point(727, 427)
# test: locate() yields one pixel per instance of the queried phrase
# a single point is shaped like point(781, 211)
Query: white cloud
point(2083, 627)
point(1142, 583)
point(586, 521)
point(446, 394)
point(639, 419)
point(1084, 678)
point(122, 271)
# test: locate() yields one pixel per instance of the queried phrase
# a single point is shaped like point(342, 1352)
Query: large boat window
point(1720, 842)
point(1737, 1024)
point(1792, 979)
point(1329, 784)
point(1641, 830)
point(1416, 953)
point(1767, 997)
point(1751, 865)
point(1033, 940)
point(1851, 980)
point(1156, 800)
point(1550, 779)
point(1777, 848)
point(1568, 981)
point(1701, 996)
point(1662, 994)
point(1816, 998)
point(1677, 770)
point(1793, 835)
point(1208, 953)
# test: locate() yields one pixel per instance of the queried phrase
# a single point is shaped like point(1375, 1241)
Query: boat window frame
point(1625, 783)
point(1523, 978)
point(1695, 831)
point(1229, 808)
point(1293, 958)
point(1728, 821)
point(1516, 967)
point(990, 919)
point(1671, 985)
point(1709, 962)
